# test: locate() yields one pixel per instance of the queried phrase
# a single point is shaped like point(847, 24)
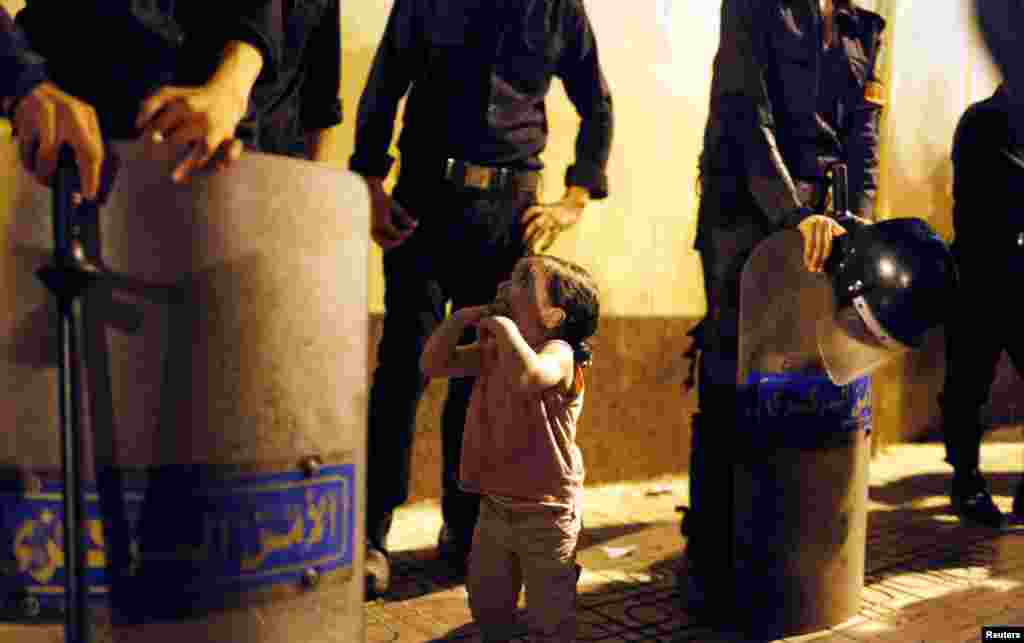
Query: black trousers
point(981, 325)
point(467, 242)
point(730, 225)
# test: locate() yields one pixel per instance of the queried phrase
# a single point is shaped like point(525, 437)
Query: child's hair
point(572, 289)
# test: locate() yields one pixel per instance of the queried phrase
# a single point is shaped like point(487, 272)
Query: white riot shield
point(780, 305)
point(225, 359)
point(790, 321)
point(800, 478)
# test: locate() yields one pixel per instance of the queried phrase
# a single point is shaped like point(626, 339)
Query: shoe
point(377, 569)
point(449, 551)
point(972, 501)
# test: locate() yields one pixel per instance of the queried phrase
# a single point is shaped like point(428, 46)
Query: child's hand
point(495, 325)
point(471, 315)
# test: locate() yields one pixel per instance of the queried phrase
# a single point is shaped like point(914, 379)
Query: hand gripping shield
point(791, 320)
point(225, 345)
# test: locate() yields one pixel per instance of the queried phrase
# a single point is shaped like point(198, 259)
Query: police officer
point(176, 72)
point(794, 89)
point(988, 222)
point(464, 209)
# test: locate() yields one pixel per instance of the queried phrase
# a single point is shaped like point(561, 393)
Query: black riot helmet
point(893, 282)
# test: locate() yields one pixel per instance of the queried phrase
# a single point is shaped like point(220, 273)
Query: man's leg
point(1015, 348)
point(973, 347)
point(459, 509)
point(709, 522)
point(413, 308)
point(490, 233)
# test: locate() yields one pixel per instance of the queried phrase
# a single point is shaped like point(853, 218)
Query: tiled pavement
point(929, 578)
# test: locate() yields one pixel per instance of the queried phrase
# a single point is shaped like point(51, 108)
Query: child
point(519, 448)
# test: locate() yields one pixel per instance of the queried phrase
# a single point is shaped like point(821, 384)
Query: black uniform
point(304, 96)
point(479, 73)
point(1001, 22)
point(782, 109)
point(988, 221)
point(113, 53)
point(21, 69)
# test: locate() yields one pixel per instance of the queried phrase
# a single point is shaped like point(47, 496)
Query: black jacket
point(21, 69)
point(988, 175)
point(113, 53)
point(479, 73)
point(782, 109)
point(767, 123)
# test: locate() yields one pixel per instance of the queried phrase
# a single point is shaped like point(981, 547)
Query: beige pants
point(535, 546)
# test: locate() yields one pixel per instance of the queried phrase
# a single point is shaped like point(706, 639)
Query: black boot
point(972, 501)
point(453, 552)
point(377, 565)
point(377, 570)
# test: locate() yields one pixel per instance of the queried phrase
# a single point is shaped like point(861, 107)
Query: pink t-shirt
point(522, 445)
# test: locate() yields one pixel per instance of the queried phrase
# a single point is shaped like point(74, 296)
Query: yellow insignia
point(874, 93)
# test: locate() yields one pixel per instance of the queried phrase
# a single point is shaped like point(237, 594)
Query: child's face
point(524, 297)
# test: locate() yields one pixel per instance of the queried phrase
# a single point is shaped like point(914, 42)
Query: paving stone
point(929, 578)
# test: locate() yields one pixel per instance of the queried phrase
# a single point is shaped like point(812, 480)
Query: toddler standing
point(519, 448)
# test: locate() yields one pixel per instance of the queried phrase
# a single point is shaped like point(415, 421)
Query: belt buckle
point(477, 177)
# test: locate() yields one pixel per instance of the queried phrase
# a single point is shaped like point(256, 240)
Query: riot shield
point(780, 305)
point(852, 343)
point(790, 321)
point(225, 357)
point(800, 474)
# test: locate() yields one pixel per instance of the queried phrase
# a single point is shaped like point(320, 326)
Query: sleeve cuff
point(371, 167)
point(590, 176)
point(322, 116)
point(22, 85)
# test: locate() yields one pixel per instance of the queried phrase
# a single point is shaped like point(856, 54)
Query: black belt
point(482, 177)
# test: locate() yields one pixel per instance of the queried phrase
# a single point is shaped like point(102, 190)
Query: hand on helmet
point(818, 231)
